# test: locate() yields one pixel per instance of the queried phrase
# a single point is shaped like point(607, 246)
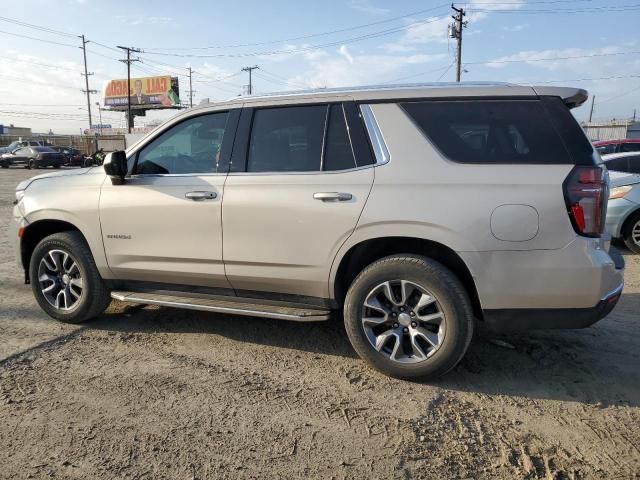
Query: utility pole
point(128, 61)
point(99, 113)
point(455, 31)
point(190, 88)
point(593, 102)
point(86, 77)
point(250, 69)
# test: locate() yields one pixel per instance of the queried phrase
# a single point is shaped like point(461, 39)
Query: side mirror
point(115, 165)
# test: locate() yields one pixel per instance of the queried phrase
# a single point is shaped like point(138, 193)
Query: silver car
point(416, 211)
point(623, 212)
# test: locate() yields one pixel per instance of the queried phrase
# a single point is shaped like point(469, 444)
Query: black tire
point(5, 166)
point(633, 222)
point(95, 296)
point(452, 299)
point(56, 166)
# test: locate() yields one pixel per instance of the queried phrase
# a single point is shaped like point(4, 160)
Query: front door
point(296, 202)
point(164, 224)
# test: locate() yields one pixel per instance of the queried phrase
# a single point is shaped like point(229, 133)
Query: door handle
point(332, 196)
point(199, 196)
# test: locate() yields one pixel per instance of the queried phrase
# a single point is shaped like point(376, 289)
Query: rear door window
point(338, 154)
point(634, 163)
point(501, 131)
point(630, 147)
point(287, 139)
point(618, 164)
point(309, 138)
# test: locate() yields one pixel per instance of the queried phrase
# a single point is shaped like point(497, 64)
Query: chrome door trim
point(377, 141)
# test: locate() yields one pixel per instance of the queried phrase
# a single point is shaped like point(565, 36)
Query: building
point(15, 131)
point(612, 130)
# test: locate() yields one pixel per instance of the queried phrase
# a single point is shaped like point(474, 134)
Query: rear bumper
point(577, 276)
point(518, 320)
point(515, 320)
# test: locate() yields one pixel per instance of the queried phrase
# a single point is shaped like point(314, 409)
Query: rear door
point(299, 180)
point(164, 224)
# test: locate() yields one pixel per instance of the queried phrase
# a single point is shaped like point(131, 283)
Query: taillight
point(586, 191)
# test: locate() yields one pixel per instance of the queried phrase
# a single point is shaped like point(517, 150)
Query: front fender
point(74, 200)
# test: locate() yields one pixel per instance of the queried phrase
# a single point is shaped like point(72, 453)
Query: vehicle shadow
point(597, 365)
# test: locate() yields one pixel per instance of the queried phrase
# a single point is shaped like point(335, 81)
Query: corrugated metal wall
point(606, 131)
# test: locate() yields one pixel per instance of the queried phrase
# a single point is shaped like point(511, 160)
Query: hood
point(618, 179)
point(61, 173)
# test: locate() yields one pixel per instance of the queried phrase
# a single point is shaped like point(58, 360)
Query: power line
point(37, 39)
point(619, 96)
point(36, 27)
point(304, 37)
point(303, 49)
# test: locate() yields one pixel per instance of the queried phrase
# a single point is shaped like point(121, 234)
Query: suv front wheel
point(409, 317)
point(65, 279)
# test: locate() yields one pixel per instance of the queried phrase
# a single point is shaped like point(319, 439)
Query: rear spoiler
point(572, 97)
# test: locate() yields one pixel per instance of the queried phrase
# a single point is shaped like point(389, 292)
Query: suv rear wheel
point(631, 233)
point(65, 279)
point(409, 317)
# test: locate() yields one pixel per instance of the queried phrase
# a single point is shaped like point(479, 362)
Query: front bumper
point(17, 222)
point(618, 210)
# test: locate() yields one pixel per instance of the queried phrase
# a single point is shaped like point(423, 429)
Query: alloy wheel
point(60, 280)
point(635, 233)
point(403, 321)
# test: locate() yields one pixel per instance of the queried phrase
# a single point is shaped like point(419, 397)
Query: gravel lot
point(146, 392)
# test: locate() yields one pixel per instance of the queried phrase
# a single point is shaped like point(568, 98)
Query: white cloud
point(564, 58)
point(345, 68)
point(515, 28)
point(367, 7)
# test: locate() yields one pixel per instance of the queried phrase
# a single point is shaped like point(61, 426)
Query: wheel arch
point(627, 221)
point(363, 253)
point(35, 232)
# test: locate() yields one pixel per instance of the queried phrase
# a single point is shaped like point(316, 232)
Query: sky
point(592, 44)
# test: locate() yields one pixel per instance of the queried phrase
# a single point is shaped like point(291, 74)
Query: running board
point(230, 305)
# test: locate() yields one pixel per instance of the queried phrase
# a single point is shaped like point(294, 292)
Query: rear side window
point(498, 131)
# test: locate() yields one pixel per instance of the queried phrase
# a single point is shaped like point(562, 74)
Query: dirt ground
point(152, 393)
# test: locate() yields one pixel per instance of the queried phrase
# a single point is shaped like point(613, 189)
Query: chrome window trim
point(315, 172)
point(375, 135)
point(163, 175)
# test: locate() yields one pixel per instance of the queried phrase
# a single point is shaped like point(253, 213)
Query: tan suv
point(416, 211)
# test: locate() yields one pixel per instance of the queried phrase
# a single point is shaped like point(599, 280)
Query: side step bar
point(230, 305)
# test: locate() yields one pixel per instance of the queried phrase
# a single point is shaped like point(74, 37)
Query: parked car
point(617, 146)
point(32, 157)
point(72, 156)
point(18, 144)
point(628, 162)
point(623, 211)
point(417, 211)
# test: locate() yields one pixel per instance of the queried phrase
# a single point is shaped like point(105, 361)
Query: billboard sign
point(145, 92)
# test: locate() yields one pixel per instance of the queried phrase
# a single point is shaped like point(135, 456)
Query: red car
point(617, 146)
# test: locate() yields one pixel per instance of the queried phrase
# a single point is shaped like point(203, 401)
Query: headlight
point(619, 192)
point(19, 196)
